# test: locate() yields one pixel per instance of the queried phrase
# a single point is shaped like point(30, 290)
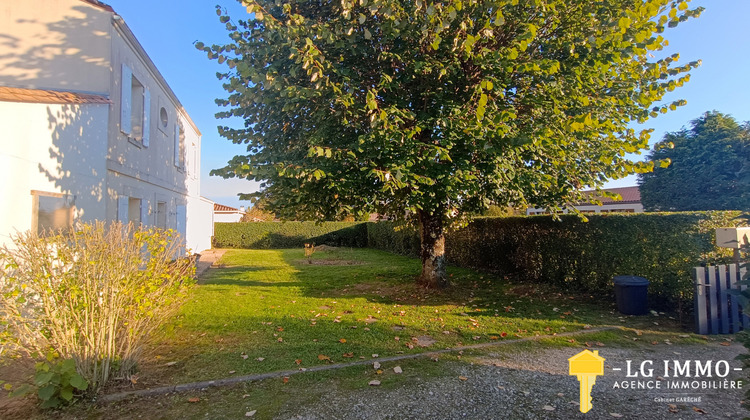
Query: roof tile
point(46, 96)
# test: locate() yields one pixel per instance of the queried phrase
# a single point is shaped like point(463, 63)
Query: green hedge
point(661, 247)
point(267, 235)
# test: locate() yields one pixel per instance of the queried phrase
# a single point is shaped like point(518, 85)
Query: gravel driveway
point(537, 385)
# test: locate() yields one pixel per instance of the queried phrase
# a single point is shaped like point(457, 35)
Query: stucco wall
point(200, 223)
point(55, 44)
point(51, 148)
point(227, 217)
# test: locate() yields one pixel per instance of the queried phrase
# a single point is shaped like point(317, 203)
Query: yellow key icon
point(586, 365)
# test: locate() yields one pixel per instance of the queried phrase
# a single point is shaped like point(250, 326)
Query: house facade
point(92, 129)
point(630, 203)
point(226, 214)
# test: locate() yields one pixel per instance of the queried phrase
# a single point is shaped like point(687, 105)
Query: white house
point(226, 214)
point(630, 202)
point(91, 130)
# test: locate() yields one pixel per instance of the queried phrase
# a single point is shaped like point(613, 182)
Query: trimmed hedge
point(576, 255)
point(580, 255)
point(267, 235)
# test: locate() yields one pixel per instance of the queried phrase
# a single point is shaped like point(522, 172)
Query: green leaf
point(22, 391)
point(78, 382)
point(42, 378)
point(67, 393)
point(46, 392)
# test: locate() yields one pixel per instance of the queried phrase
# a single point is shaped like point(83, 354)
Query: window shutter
point(144, 212)
point(122, 209)
point(146, 115)
point(177, 145)
point(182, 221)
point(126, 100)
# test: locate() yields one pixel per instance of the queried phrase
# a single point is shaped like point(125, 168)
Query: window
point(135, 108)
point(132, 210)
point(51, 211)
point(161, 215)
point(136, 112)
point(179, 146)
point(163, 118)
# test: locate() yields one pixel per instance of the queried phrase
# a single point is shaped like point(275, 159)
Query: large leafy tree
point(429, 111)
point(710, 164)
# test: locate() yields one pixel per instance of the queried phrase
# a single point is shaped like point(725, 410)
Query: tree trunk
point(432, 251)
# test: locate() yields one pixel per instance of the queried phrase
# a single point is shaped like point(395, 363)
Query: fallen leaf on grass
point(244, 356)
point(285, 379)
point(342, 341)
point(260, 359)
point(463, 378)
point(504, 334)
point(193, 400)
point(232, 372)
point(298, 361)
point(638, 332)
point(348, 355)
point(374, 383)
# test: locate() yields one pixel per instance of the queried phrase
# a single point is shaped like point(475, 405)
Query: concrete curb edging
point(257, 377)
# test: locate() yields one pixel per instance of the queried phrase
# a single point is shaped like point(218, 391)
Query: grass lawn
point(266, 311)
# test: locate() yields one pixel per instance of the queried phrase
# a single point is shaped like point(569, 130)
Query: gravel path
point(537, 385)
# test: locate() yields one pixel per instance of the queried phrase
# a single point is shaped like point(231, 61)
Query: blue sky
point(168, 28)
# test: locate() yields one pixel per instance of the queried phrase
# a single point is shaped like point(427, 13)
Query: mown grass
point(272, 310)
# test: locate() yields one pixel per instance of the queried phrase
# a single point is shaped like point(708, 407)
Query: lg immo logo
point(671, 375)
point(586, 366)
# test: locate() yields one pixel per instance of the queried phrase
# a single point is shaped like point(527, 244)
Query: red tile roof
point(43, 96)
point(629, 195)
point(221, 207)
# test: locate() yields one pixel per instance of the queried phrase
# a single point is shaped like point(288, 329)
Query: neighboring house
point(91, 130)
point(630, 203)
point(226, 214)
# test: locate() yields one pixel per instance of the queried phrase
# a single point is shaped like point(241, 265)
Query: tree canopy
point(435, 110)
point(708, 171)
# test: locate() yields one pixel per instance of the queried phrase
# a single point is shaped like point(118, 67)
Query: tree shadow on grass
point(390, 280)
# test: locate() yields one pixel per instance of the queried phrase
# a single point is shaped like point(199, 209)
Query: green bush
point(267, 235)
point(93, 295)
point(661, 247)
